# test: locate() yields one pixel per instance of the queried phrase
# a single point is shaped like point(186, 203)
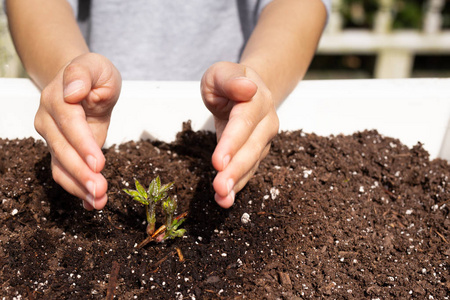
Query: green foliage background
point(408, 14)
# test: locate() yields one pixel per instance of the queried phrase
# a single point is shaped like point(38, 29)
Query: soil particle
point(348, 217)
point(284, 279)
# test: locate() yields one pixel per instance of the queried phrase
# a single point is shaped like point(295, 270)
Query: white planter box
point(413, 110)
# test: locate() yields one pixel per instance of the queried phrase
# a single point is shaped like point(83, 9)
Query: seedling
point(169, 206)
point(150, 198)
point(163, 233)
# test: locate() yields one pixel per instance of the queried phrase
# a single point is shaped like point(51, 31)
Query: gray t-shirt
point(169, 40)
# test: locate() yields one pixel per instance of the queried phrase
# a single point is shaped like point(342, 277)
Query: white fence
point(395, 49)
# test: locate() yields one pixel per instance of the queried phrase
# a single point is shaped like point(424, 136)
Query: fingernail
point(225, 162)
point(232, 195)
point(90, 186)
point(84, 202)
point(73, 87)
point(244, 78)
point(90, 199)
point(230, 185)
point(92, 163)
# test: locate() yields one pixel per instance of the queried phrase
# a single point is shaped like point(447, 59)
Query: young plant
point(169, 206)
point(150, 199)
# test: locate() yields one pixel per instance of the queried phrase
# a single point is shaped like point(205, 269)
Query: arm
point(79, 91)
point(46, 36)
point(284, 42)
point(243, 97)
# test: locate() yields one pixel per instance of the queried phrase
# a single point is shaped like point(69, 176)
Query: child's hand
point(245, 120)
point(73, 118)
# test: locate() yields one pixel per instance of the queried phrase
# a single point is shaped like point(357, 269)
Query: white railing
point(395, 49)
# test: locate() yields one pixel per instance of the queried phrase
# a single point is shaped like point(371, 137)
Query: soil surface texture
point(338, 217)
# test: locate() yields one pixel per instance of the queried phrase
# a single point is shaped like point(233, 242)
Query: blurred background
point(363, 39)
point(385, 39)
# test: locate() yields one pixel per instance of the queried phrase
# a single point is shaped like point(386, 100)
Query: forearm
point(46, 36)
point(284, 42)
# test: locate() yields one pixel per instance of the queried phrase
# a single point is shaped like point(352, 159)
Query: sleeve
point(327, 4)
point(73, 3)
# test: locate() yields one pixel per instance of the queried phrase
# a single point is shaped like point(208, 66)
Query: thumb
point(240, 89)
point(77, 82)
point(228, 80)
point(91, 72)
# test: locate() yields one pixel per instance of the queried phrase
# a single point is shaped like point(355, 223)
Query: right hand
point(73, 117)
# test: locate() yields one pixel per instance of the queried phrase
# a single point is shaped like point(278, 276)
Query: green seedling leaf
point(140, 189)
point(176, 223)
point(173, 233)
point(172, 230)
point(158, 183)
point(179, 233)
point(143, 201)
point(132, 193)
point(165, 188)
point(169, 206)
point(136, 196)
point(151, 188)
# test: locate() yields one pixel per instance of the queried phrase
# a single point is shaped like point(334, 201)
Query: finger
point(68, 183)
point(84, 183)
point(96, 86)
point(71, 186)
point(243, 163)
point(223, 82)
point(228, 200)
point(243, 120)
point(71, 122)
point(236, 87)
point(87, 205)
point(91, 77)
point(72, 165)
point(242, 181)
point(81, 181)
point(246, 158)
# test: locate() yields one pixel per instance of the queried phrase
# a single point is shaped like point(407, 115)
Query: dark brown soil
point(344, 217)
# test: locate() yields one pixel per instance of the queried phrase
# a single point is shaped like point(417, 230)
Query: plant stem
point(151, 219)
point(169, 219)
point(147, 213)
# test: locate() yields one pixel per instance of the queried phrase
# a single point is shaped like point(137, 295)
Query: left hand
point(245, 120)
